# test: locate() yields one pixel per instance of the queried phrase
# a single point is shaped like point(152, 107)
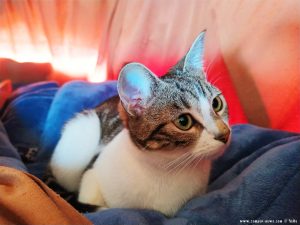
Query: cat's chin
point(219, 151)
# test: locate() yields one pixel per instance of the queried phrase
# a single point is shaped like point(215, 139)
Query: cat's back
point(110, 121)
point(82, 139)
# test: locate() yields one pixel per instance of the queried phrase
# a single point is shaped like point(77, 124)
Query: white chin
point(218, 152)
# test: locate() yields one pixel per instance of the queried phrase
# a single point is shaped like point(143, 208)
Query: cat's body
point(153, 144)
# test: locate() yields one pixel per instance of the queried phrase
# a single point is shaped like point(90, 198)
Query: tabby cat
point(153, 144)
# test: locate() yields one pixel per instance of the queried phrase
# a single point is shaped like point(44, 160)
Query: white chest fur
point(122, 176)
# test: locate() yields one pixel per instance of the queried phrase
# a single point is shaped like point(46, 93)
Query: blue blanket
point(256, 181)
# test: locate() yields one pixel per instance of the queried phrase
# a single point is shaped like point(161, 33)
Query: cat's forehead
point(188, 87)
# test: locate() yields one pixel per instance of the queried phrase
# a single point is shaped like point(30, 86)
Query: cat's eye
point(217, 104)
point(184, 122)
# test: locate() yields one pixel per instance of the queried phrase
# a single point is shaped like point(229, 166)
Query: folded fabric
point(24, 199)
point(9, 156)
point(72, 98)
point(257, 179)
point(24, 116)
point(39, 111)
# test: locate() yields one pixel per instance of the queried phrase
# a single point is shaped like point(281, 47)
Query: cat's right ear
point(136, 86)
point(194, 57)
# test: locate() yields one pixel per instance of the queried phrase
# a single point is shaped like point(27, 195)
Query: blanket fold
point(24, 199)
point(258, 177)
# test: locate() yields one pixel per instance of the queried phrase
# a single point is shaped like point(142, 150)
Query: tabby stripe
point(155, 131)
point(91, 163)
point(175, 105)
point(185, 90)
point(181, 143)
point(178, 86)
point(185, 103)
point(207, 89)
point(200, 89)
point(171, 138)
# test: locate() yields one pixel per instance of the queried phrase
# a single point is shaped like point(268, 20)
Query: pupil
point(215, 103)
point(183, 120)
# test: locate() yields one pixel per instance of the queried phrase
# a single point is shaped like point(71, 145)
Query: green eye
point(217, 104)
point(184, 122)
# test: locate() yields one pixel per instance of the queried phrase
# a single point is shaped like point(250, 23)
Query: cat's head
point(179, 112)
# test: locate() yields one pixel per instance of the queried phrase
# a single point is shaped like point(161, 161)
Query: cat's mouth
point(220, 151)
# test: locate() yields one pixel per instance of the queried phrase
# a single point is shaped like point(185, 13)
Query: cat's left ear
point(194, 59)
point(136, 86)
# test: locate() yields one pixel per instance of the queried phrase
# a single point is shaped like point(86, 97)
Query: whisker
point(176, 164)
point(197, 161)
point(217, 79)
point(178, 160)
point(210, 65)
point(188, 163)
point(202, 154)
point(188, 159)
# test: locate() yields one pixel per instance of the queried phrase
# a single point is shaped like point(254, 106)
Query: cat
point(152, 146)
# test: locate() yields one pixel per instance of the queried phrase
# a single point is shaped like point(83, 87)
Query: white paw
point(90, 192)
point(75, 149)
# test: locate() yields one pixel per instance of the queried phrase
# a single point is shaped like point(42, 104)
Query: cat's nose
point(224, 137)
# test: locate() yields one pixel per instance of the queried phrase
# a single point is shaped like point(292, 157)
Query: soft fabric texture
point(26, 112)
point(256, 41)
point(258, 177)
point(9, 155)
point(72, 98)
point(5, 91)
point(24, 199)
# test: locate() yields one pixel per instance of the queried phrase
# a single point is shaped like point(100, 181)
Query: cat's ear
point(136, 86)
point(194, 58)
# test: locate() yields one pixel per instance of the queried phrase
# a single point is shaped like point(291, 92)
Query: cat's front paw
point(90, 192)
point(101, 208)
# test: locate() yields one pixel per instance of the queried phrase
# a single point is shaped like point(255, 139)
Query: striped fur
point(157, 139)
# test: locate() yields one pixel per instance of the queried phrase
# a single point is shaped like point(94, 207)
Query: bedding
point(257, 179)
point(24, 199)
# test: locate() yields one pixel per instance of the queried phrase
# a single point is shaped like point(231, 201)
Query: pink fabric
point(254, 44)
point(218, 75)
point(258, 41)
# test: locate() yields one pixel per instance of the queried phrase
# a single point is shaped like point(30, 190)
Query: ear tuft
point(136, 86)
point(194, 57)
